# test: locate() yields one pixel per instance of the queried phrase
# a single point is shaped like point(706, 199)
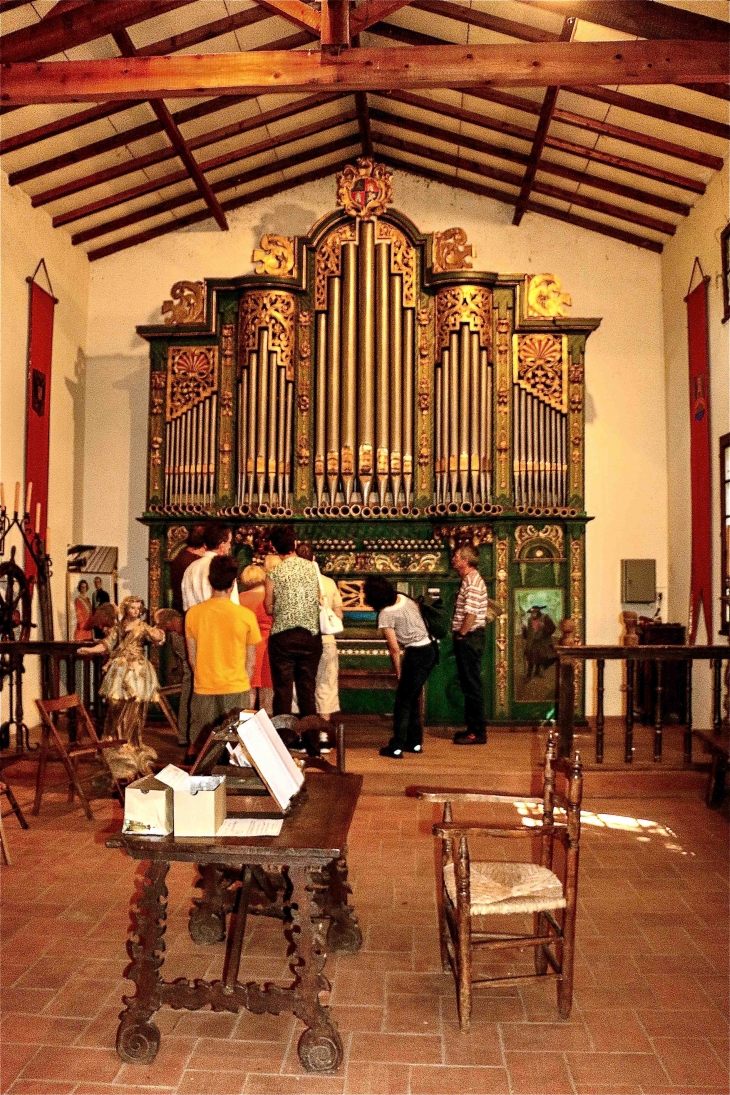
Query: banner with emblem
point(699, 409)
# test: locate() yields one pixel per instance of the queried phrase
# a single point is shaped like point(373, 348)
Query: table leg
point(207, 922)
point(343, 935)
point(138, 1040)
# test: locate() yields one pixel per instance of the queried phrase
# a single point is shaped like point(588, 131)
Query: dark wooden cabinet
point(674, 676)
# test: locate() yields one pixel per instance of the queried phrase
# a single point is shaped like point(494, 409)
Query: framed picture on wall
point(91, 581)
point(537, 615)
point(725, 245)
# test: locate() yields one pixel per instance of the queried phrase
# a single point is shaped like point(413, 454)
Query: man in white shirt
point(195, 585)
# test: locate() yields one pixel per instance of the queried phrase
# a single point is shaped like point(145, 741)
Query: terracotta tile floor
point(650, 1009)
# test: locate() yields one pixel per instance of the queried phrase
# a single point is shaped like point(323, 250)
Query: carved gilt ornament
point(187, 305)
point(451, 251)
point(275, 256)
point(460, 304)
point(329, 260)
point(545, 296)
point(275, 310)
point(192, 375)
point(540, 364)
point(365, 188)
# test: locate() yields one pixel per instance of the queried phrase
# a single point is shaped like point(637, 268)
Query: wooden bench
point(718, 746)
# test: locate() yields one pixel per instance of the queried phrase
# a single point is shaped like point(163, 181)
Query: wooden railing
point(569, 657)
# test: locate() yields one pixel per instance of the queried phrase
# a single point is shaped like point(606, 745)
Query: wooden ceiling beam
point(294, 11)
point(335, 33)
point(125, 45)
point(363, 122)
point(547, 111)
point(140, 132)
point(73, 28)
point(275, 72)
point(580, 121)
point(567, 196)
point(371, 11)
point(229, 182)
point(203, 215)
point(454, 182)
point(644, 18)
point(524, 32)
point(597, 182)
point(165, 45)
point(152, 186)
point(301, 106)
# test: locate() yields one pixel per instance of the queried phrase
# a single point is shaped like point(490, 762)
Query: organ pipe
point(321, 406)
point(280, 435)
point(287, 440)
point(396, 402)
point(262, 409)
point(382, 359)
point(439, 434)
point(253, 387)
point(464, 394)
point(349, 368)
point(453, 409)
point(409, 370)
point(366, 355)
point(473, 408)
point(485, 428)
point(271, 423)
point(334, 318)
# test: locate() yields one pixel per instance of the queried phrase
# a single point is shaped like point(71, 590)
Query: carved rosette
point(192, 375)
point(451, 251)
point(275, 310)
point(176, 536)
point(155, 476)
point(275, 256)
point(328, 262)
point(540, 364)
point(187, 306)
point(503, 382)
point(576, 427)
point(545, 297)
point(501, 626)
point(228, 380)
point(365, 188)
point(471, 304)
point(402, 259)
point(304, 395)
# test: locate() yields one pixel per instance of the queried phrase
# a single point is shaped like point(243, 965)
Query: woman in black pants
point(400, 620)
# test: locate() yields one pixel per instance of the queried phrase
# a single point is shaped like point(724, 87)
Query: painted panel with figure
point(538, 613)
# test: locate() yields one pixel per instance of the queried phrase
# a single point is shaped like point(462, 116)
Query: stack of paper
point(270, 757)
point(251, 826)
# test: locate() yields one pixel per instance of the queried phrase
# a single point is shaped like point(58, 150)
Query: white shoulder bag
point(329, 622)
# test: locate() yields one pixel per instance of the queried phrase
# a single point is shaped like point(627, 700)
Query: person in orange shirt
point(222, 637)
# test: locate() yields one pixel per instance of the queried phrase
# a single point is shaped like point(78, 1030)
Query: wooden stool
point(70, 754)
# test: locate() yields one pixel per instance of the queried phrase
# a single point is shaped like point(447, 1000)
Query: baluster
point(566, 705)
point(716, 695)
point(629, 737)
point(658, 712)
point(600, 718)
point(688, 716)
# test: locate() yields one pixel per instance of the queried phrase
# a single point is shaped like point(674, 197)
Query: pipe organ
point(367, 384)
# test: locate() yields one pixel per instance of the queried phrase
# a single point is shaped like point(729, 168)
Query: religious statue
point(130, 681)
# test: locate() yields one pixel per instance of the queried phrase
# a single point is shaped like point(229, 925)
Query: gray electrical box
point(638, 581)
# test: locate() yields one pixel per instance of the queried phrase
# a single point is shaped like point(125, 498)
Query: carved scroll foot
point(320, 1050)
point(138, 1040)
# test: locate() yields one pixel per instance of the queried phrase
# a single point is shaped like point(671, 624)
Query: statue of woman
point(82, 609)
point(130, 681)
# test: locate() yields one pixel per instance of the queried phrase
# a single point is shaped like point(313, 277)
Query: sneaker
point(466, 737)
point(389, 751)
point(413, 749)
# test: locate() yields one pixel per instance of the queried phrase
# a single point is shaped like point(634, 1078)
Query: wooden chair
point(5, 789)
point(473, 890)
point(72, 752)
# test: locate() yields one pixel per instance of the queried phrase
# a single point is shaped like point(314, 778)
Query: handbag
point(329, 622)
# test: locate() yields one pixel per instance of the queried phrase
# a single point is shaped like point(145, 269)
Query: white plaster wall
point(27, 236)
point(698, 237)
point(626, 427)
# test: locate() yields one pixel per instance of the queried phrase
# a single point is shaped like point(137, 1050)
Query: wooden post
point(716, 695)
point(566, 705)
point(600, 718)
point(629, 738)
point(658, 712)
point(688, 716)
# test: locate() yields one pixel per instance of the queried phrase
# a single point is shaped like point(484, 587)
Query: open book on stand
point(269, 756)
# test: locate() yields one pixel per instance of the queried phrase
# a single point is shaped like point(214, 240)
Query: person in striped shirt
point(472, 612)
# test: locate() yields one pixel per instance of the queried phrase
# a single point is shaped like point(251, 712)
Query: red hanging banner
point(37, 411)
point(699, 411)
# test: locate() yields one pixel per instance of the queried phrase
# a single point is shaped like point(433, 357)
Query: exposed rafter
point(125, 46)
point(233, 203)
point(295, 11)
point(335, 33)
point(644, 18)
point(73, 28)
point(363, 122)
point(533, 65)
point(459, 183)
point(370, 11)
point(543, 124)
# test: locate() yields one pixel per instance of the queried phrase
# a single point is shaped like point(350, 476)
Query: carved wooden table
point(299, 876)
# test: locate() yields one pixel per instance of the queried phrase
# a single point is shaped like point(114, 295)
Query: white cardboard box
point(200, 808)
point(148, 806)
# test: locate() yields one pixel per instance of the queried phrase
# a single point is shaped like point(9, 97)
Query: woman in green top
point(295, 643)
